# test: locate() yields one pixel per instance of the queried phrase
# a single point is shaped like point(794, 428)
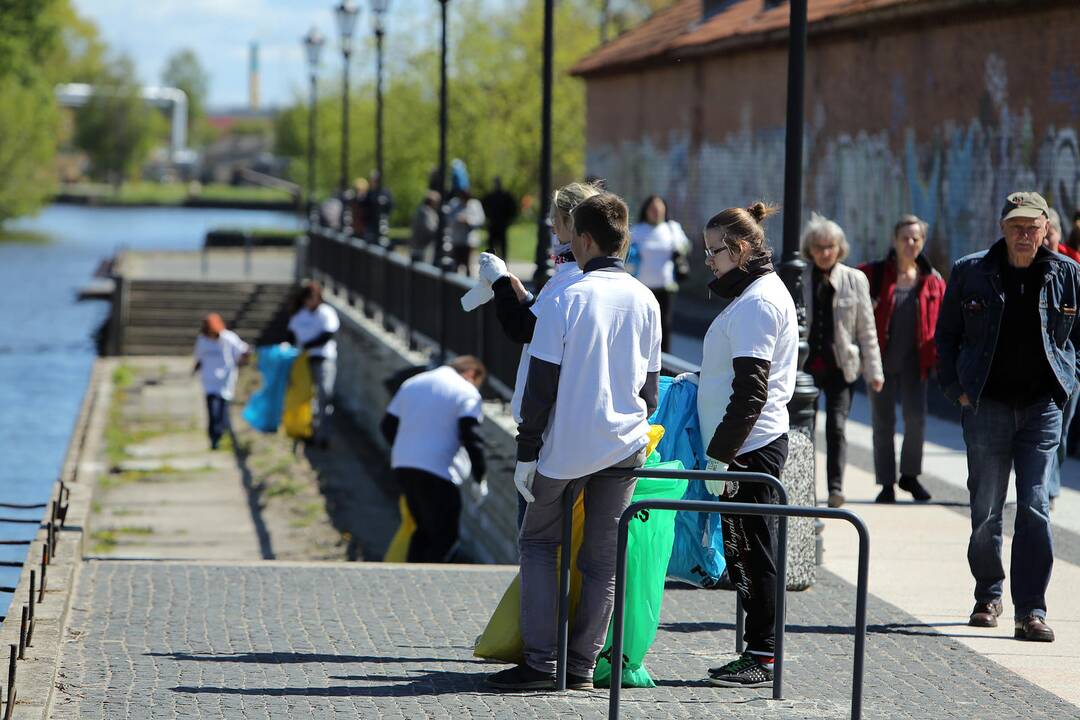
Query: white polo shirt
point(565, 273)
point(218, 361)
point(656, 244)
point(307, 325)
point(759, 323)
point(428, 407)
point(603, 329)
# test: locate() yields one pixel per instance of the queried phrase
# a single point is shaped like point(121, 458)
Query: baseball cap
point(1025, 205)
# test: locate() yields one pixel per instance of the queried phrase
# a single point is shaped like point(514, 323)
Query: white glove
point(478, 490)
point(719, 488)
point(524, 474)
point(492, 268)
point(687, 377)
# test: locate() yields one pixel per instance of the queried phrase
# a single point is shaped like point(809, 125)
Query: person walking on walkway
point(432, 416)
point(584, 428)
point(517, 308)
point(466, 216)
point(218, 355)
point(750, 356)
point(424, 234)
point(658, 250)
point(1006, 354)
point(843, 338)
point(500, 209)
point(313, 325)
point(906, 291)
point(1054, 244)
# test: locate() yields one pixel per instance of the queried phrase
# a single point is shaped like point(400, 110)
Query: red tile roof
point(678, 30)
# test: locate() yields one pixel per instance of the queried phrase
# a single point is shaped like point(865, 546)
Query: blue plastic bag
point(697, 556)
point(264, 409)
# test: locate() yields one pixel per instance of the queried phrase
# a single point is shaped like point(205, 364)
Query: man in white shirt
point(218, 355)
point(582, 429)
point(313, 326)
point(431, 417)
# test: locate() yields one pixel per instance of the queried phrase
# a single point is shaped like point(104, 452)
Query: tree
point(184, 71)
point(115, 129)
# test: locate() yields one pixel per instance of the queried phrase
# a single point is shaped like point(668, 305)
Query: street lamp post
point(346, 12)
point(445, 260)
point(543, 222)
point(378, 11)
point(313, 43)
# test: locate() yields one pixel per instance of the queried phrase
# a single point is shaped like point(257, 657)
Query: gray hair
point(906, 220)
point(820, 226)
point(1054, 218)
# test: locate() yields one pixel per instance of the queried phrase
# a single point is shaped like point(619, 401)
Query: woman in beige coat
point(843, 337)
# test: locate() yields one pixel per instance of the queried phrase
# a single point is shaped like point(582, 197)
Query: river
point(46, 336)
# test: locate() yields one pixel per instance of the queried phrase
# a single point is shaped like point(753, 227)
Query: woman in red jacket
point(906, 291)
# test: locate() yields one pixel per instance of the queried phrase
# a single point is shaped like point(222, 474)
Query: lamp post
point(543, 222)
point(313, 43)
point(346, 12)
point(444, 260)
point(378, 11)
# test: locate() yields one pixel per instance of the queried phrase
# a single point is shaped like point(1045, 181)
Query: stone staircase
point(162, 317)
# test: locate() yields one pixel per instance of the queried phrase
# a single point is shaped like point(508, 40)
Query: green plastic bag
point(648, 550)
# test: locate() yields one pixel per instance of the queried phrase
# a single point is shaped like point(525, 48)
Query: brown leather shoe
point(836, 499)
point(1034, 629)
point(985, 614)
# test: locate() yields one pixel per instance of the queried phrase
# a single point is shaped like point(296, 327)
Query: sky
point(221, 31)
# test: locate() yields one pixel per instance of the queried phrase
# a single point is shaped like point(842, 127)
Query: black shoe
point(1034, 629)
point(744, 672)
point(522, 677)
point(911, 484)
point(578, 682)
point(985, 614)
point(887, 494)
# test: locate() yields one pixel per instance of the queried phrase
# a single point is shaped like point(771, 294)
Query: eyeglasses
point(711, 253)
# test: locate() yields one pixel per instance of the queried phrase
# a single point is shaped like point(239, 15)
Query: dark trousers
point(497, 241)
point(435, 505)
point(750, 546)
point(910, 388)
point(837, 394)
point(461, 255)
point(666, 299)
point(217, 408)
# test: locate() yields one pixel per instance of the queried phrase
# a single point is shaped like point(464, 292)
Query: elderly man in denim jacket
point(1006, 355)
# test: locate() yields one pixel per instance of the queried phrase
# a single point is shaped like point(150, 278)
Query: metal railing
point(734, 508)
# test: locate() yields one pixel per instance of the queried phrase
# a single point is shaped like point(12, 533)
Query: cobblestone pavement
point(183, 640)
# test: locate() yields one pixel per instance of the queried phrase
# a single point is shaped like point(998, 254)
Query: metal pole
point(444, 259)
point(781, 609)
point(343, 183)
point(564, 588)
point(379, 104)
point(862, 582)
point(740, 623)
point(617, 618)
point(543, 222)
point(311, 142)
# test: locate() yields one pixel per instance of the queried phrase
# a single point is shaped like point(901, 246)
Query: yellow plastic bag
point(296, 418)
point(656, 434)
point(399, 546)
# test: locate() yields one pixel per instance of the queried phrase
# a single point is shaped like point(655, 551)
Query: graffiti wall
point(947, 148)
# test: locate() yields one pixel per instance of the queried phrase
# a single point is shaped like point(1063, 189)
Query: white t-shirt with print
point(307, 325)
point(603, 329)
point(565, 273)
point(759, 323)
point(218, 360)
point(655, 245)
point(428, 407)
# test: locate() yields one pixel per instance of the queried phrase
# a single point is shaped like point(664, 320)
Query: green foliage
point(184, 71)
point(116, 128)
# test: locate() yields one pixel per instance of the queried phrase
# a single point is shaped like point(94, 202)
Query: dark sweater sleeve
point(517, 320)
point(319, 340)
point(389, 427)
point(537, 402)
point(650, 392)
point(469, 431)
point(749, 392)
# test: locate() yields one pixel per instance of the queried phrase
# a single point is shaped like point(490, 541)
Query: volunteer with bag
point(749, 361)
point(584, 427)
point(218, 355)
point(431, 417)
point(312, 326)
point(658, 248)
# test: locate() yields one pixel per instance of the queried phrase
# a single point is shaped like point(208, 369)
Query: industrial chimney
point(253, 76)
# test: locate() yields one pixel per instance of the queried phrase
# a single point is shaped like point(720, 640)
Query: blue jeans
point(1000, 437)
point(217, 409)
point(1063, 446)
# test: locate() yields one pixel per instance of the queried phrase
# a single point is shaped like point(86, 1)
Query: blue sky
point(220, 32)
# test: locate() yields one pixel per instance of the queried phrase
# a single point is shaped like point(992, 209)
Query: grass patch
point(136, 530)
point(151, 193)
point(284, 488)
point(123, 376)
point(307, 515)
point(104, 541)
point(24, 237)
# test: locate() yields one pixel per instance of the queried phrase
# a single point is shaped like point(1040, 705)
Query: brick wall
point(941, 117)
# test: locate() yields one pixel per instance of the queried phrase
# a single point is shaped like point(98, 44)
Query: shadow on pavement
point(294, 657)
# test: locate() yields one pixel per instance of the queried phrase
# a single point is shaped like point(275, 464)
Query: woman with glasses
point(842, 339)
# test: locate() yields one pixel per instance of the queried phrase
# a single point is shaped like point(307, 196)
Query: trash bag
point(501, 639)
point(398, 552)
point(296, 416)
point(264, 409)
point(648, 549)
point(697, 556)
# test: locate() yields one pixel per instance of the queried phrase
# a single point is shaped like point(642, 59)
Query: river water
point(46, 335)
